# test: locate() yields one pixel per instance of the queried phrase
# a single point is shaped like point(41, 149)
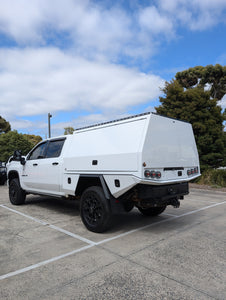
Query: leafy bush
point(12, 140)
point(213, 177)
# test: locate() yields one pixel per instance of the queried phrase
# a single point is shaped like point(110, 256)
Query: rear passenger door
point(44, 169)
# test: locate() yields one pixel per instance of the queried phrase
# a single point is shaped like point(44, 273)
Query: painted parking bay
point(163, 249)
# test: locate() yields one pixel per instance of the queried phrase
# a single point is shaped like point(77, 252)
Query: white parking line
point(202, 200)
point(156, 223)
point(49, 225)
point(73, 235)
point(45, 262)
point(200, 209)
point(91, 243)
point(24, 215)
point(170, 215)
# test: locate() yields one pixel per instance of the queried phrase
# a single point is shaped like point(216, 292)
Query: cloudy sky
point(87, 61)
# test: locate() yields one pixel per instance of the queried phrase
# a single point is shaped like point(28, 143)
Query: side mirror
point(18, 157)
point(22, 161)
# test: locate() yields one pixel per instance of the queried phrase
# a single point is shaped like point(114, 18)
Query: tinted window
point(38, 152)
point(54, 148)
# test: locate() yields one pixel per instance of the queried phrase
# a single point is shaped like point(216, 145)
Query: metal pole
point(49, 116)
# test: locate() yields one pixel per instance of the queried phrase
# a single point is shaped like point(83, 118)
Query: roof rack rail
point(113, 121)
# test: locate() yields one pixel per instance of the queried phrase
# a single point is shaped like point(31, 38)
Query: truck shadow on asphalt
point(120, 222)
point(64, 206)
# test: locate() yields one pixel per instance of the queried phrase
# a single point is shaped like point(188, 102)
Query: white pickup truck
point(144, 161)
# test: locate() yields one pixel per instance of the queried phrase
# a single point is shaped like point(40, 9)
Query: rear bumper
point(151, 195)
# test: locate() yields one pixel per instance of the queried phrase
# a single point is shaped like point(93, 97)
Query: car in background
point(3, 176)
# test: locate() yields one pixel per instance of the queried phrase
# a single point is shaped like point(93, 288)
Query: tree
point(224, 161)
point(187, 98)
point(33, 139)
point(210, 76)
point(11, 141)
point(68, 130)
point(4, 126)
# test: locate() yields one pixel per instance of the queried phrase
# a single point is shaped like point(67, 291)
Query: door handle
point(55, 163)
point(35, 165)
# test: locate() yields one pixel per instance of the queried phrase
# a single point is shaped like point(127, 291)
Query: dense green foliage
point(224, 161)
point(186, 98)
point(214, 76)
point(214, 178)
point(33, 139)
point(4, 126)
point(11, 141)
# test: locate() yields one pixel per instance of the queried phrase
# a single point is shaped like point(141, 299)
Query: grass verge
point(213, 177)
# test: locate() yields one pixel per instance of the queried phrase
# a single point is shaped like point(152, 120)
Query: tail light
point(158, 174)
point(147, 173)
point(152, 174)
point(193, 171)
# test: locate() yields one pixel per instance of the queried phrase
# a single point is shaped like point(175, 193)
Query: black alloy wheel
point(94, 209)
point(16, 194)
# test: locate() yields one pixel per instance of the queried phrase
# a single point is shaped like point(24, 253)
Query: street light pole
point(49, 116)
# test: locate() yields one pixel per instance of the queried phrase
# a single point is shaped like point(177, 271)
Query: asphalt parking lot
point(47, 253)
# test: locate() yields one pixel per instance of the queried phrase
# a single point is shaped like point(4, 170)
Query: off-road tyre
point(94, 210)
point(16, 194)
point(152, 211)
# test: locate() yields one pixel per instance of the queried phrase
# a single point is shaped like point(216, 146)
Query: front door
point(43, 166)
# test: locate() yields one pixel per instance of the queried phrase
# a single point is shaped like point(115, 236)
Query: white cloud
point(151, 19)
point(88, 28)
point(36, 78)
point(47, 79)
point(83, 121)
point(31, 127)
point(194, 14)
point(92, 30)
point(21, 20)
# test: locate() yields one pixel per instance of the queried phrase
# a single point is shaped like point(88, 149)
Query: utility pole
point(49, 116)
